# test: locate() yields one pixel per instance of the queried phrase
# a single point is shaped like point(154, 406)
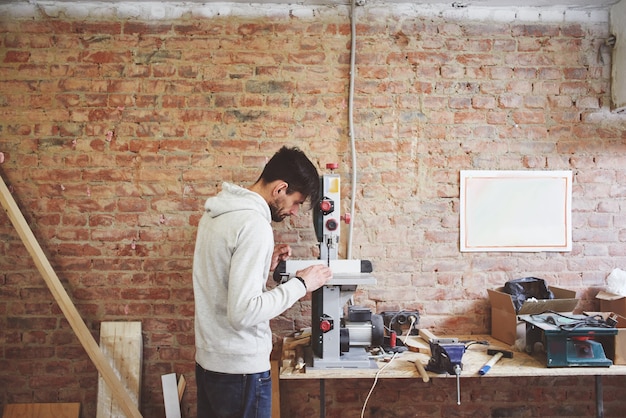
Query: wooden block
point(426, 335)
point(417, 345)
point(290, 343)
point(42, 410)
point(182, 384)
point(122, 345)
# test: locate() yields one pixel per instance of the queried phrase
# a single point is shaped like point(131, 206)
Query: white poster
point(516, 210)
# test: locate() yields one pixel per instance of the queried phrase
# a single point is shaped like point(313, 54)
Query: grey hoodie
point(233, 306)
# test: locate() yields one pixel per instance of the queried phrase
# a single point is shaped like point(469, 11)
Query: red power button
point(325, 325)
point(326, 205)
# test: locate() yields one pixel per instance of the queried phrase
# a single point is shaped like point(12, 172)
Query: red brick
point(145, 294)
point(480, 102)
point(97, 27)
point(146, 28)
point(25, 353)
point(103, 57)
point(16, 56)
point(536, 30)
point(525, 117)
point(164, 71)
point(575, 73)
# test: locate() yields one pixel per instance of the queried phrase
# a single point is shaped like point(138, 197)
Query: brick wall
point(113, 132)
point(525, 397)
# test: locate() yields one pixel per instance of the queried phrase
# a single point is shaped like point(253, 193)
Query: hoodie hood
point(234, 198)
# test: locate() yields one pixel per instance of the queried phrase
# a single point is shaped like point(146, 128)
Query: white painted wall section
point(155, 11)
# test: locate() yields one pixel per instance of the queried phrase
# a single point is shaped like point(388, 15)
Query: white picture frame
point(515, 210)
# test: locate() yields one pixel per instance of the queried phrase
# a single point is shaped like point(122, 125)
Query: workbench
point(403, 366)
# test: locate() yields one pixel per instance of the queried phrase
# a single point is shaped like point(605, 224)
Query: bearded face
point(278, 215)
point(285, 205)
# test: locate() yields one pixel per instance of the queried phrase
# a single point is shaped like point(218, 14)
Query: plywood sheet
point(42, 410)
point(121, 343)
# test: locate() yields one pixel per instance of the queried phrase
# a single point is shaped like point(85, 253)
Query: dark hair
point(292, 166)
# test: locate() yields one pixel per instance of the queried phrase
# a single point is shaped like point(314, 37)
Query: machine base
point(356, 358)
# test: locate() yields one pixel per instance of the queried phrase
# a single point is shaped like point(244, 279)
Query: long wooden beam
point(65, 303)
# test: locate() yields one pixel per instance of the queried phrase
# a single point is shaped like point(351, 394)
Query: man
point(233, 257)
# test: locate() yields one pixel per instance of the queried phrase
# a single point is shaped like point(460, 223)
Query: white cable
point(351, 127)
point(374, 384)
point(410, 328)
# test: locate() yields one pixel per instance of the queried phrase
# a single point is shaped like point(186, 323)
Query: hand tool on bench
point(496, 354)
point(421, 370)
point(446, 355)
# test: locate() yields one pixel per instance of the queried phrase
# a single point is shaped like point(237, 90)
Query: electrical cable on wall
point(351, 124)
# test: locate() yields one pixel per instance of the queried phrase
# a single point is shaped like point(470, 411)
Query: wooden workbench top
point(402, 366)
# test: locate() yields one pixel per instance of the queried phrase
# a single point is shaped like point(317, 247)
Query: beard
point(277, 215)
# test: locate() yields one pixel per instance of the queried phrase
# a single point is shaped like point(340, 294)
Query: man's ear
point(280, 187)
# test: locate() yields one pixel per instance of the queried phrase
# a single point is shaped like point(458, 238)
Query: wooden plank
point(275, 389)
point(182, 384)
point(417, 345)
point(42, 410)
point(122, 344)
point(65, 303)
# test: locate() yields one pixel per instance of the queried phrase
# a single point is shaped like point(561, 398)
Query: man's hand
point(315, 276)
point(281, 253)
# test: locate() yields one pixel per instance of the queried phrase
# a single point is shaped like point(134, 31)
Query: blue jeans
point(222, 395)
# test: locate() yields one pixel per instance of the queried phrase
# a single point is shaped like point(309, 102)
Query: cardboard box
point(611, 302)
point(504, 324)
point(615, 347)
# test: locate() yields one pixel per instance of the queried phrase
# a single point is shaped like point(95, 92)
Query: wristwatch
point(302, 281)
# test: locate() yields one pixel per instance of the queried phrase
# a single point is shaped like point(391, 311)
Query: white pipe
point(351, 127)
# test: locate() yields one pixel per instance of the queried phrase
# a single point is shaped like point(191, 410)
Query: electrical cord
point(374, 384)
point(413, 320)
